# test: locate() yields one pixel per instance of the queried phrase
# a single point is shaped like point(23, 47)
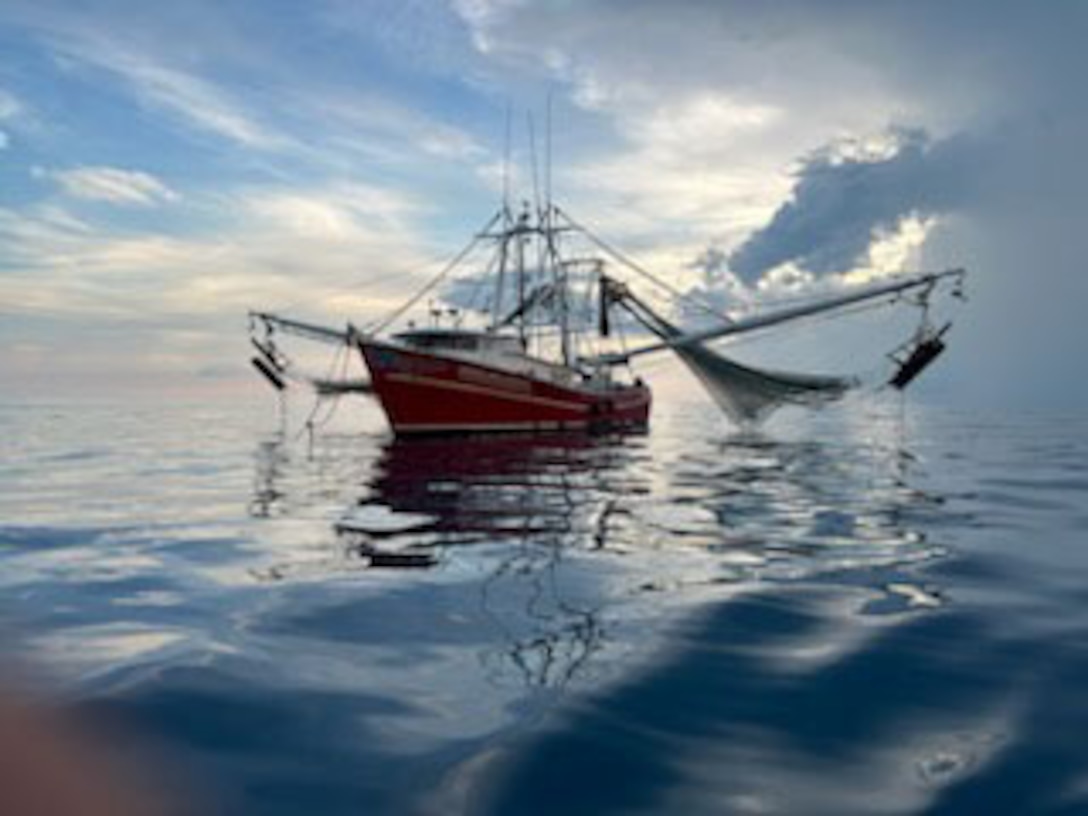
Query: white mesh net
point(749, 395)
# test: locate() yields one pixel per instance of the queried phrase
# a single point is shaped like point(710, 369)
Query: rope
point(339, 360)
point(482, 285)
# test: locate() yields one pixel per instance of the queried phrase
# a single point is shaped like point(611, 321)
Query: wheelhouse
point(461, 340)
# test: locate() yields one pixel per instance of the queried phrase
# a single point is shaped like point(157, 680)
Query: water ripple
point(855, 612)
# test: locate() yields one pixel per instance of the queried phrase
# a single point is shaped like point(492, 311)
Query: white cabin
point(501, 351)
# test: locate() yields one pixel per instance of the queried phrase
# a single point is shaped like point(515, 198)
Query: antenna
point(539, 237)
point(507, 221)
point(532, 151)
point(548, 154)
point(506, 165)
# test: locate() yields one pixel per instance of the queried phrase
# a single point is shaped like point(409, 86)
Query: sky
point(165, 168)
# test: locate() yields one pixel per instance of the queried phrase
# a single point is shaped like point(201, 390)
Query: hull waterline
point(425, 393)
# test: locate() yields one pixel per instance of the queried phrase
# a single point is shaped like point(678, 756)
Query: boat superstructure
point(526, 369)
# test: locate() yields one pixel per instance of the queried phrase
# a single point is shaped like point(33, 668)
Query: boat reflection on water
point(478, 489)
point(515, 510)
point(538, 536)
point(695, 592)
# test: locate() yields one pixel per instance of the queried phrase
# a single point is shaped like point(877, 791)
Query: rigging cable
point(374, 328)
point(338, 366)
point(631, 264)
point(476, 300)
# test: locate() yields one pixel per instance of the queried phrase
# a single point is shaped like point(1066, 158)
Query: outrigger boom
point(760, 321)
point(311, 331)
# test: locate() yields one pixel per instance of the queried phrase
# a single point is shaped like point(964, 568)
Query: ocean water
point(878, 608)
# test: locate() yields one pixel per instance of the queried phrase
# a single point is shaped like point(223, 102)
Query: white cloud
point(332, 223)
point(208, 70)
point(348, 251)
point(712, 102)
point(10, 107)
point(424, 35)
point(148, 63)
point(197, 101)
point(481, 14)
point(681, 165)
point(228, 82)
point(355, 120)
point(707, 116)
point(679, 127)
point(113, 184)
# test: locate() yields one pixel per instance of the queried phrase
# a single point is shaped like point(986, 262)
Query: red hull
point(426, 393)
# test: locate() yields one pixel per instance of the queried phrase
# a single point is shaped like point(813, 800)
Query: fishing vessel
point(523, 371)
point(543, 333)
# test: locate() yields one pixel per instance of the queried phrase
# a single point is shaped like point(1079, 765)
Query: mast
point(562, 280)
point(500, 276)
point(534, 232)
point(549, 232)
point(520, 232)
point(504, 236)
point(562, 276)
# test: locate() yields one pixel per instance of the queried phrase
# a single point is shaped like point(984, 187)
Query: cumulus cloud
point(846, 197)
point(996, 180)
point(113, 184)
point(708, 105)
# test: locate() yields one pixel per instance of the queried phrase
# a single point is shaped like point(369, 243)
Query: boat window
point(442, 341)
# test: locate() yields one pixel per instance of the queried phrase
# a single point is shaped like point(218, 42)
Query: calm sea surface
point(867, 610)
